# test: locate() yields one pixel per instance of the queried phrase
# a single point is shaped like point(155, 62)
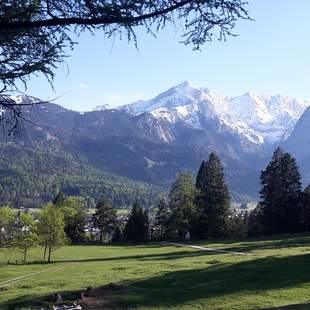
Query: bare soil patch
point(100, 297)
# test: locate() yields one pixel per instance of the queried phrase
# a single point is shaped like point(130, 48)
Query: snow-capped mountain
point(258, 118)
point(271, 117)
point(152, 140)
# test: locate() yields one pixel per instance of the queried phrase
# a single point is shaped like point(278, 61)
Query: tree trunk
point(45, 248)
point(25, 255)
point(101, 235)
point(49, 254)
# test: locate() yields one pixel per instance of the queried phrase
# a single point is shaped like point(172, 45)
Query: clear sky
point(271, 55)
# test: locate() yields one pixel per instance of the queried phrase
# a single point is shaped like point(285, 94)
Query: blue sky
point(271, 55)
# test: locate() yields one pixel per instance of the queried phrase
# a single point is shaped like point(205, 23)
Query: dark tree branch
point(35, 36)
point(107, 20)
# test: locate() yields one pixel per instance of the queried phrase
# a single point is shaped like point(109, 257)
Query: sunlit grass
point(276, 272)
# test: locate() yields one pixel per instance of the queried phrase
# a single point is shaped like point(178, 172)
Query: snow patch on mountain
point(257, 118)
point(103, 107)
point(271, 117)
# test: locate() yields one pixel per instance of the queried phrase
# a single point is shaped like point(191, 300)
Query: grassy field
point(155, 276)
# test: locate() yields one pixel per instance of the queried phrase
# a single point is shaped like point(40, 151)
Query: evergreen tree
point(136, 228)
point(200, 179)
point(117, 234)
point(281, 193)
point(256, 221)
point(181, 204)
point(104, 218)
point(212, 199)
point(59, 199)
point(161, 219)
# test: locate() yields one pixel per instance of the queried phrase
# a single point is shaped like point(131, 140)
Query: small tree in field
point(51, 229)
point(25, 233)
point(181, 204)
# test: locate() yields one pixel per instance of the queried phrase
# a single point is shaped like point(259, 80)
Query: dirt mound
point(100, 297)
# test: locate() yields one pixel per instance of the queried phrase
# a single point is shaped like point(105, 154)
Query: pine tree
point(181, 204)
point(117, 234)
point(200, 179)
point(59, 199)
point(256, 221)
point(161, 219)
point(104, 218)
point(281, 194)
point(136, 228)
point(212, 199)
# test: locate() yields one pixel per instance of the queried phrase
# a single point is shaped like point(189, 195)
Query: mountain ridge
point(151, 141)
point(259, 118)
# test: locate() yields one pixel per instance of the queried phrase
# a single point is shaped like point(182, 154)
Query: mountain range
point(151, 141)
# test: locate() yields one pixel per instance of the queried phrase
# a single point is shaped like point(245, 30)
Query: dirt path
point(206, 249)
point(7, 282)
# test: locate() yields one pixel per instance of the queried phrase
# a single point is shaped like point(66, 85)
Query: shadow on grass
point(221, 280)
point(143, 257)
point(179, 287)
point(269, 242)
point(301, 306)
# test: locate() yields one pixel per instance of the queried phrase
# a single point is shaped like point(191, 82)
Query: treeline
point(29, 179)
point(202, 210)
point(193, 210)
point(284, 206)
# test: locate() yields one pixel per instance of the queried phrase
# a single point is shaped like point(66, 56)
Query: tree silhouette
point(280, 193)
point(212, 199)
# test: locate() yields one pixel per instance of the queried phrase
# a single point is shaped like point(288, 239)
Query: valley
point(145, 144)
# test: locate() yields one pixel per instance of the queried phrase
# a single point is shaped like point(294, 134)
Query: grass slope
point(157, 276)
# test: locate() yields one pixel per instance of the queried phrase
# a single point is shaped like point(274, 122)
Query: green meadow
point(274, 273)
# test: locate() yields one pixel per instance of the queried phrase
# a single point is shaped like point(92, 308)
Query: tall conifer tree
point(104, 218)
point(200, 179)
point(281, 194)
point(162, 219)
point(137, 226)
point(212, 199)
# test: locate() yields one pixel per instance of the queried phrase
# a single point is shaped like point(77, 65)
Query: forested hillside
point(30, 177)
